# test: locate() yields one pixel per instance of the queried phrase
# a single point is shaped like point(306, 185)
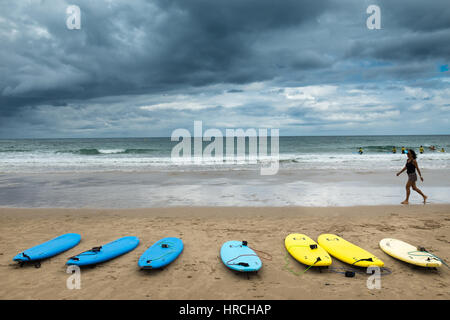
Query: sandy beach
point(214, 121)
point(199, 274)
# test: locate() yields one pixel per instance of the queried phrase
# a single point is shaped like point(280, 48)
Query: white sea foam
point(116, 160)
point(111, 151)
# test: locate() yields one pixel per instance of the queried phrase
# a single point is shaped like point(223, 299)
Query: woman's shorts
point(412, 177)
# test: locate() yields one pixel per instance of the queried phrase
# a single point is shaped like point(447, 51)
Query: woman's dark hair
point(413, 153)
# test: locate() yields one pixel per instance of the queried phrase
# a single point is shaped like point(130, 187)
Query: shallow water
point(217, 188)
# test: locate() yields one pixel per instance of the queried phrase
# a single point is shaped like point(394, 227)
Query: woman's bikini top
point(410, 167)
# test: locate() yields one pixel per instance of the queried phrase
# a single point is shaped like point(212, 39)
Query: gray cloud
point(155, 51)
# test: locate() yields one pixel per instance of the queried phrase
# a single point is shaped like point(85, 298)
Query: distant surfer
point(432, 148)
point(442, 150)
point(394, 150)
point(403, 150)
point(360, 150)
point(421, 150)
point(410, 167)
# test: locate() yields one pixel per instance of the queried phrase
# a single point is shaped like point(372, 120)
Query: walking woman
point(410, 167)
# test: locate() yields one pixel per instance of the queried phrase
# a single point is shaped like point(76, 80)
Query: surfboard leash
point(37, 263)
point(427, 254)
point(286, 266)
point(350, 272)
point(89, 252)
point(268, 255)
point(26, 256)
point(164, 245)
point(317, 260)
point(244, 264)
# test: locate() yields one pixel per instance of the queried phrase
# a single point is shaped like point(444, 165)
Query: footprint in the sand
point(339, 229)
point(442, 239)
point(428, 225)
point(432, 224)
point(385, 228)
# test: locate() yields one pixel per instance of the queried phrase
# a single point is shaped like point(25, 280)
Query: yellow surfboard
point(306, 250)
point(348, 252)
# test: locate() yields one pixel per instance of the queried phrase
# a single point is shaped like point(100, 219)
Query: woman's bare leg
point(419, 192)
point(408, 192)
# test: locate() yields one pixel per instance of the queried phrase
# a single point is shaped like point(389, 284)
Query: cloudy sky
point(144, 68)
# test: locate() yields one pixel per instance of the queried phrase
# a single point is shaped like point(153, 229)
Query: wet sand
point(238, 188)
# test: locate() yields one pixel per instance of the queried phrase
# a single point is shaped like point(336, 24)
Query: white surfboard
point(409, 253)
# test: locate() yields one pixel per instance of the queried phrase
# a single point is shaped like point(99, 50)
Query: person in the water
point(403, 150)
point(410, 167)
point(360, 150)
point(421, 149)
point(394, 150)
point(442, 150)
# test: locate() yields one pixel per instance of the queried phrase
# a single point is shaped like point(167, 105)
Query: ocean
point(154, 154)
point(140, 173)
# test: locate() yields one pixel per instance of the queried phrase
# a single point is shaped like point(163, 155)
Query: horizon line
point(285, 136)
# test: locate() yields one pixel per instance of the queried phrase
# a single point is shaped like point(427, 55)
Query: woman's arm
point(399, 173)
point(418, 170)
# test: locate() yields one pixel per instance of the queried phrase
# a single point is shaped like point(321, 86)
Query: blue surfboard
point(161, 253)
point(49, 249)
point(237, 256)
point(104, 253)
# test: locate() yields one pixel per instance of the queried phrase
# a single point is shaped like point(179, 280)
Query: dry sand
point(199, 274)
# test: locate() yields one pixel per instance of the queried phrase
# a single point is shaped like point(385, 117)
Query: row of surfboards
point(236, 255)
point(158, 255)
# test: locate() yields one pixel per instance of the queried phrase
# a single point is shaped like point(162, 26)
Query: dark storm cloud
point(139, 47)
point(416, 15)
point(155, 50)
point(408, 47)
